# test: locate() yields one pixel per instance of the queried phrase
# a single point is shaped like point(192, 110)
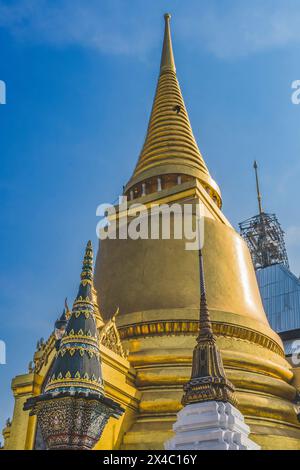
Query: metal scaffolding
point(265, 239)
point(264, 236)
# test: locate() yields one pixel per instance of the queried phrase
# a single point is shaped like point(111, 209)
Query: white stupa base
point(210, 426)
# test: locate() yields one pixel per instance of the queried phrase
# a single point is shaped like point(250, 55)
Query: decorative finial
point(208, 380)
point(116, 313)
point(205, 325)
point(40, 344)
point(167, 58)
point(98, 315)
point(60, 328)
point(68, 312)
point(86, 283)
point(87, 266)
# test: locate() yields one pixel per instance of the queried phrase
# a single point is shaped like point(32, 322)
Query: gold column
point(23, 426)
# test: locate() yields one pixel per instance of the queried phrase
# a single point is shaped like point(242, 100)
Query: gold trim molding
point(190, 327)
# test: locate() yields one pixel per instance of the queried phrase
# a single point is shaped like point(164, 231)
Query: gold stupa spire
point(170, 146)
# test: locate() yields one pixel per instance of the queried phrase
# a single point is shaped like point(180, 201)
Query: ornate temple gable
point(98, 315)
point(108, 332)
point(110, 337)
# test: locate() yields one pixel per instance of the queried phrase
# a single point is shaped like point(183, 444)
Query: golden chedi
point(155, 285)
point(147, 349)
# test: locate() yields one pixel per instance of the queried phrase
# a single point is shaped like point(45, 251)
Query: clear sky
point(80, 79)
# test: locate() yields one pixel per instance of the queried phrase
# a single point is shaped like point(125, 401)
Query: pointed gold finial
point(205, 330)
point(167, 57)
point(87, 266)
point(98, 315)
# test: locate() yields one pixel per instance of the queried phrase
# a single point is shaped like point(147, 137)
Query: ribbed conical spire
point(208, 380)
point(73, 410)
point(170, 146)
point(77, 366)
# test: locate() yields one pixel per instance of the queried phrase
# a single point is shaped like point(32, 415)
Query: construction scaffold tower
point(264, 236)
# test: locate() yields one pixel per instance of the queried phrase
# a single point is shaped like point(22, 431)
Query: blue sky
point(80, 79)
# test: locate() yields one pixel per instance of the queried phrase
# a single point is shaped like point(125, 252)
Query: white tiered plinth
point(210, 426)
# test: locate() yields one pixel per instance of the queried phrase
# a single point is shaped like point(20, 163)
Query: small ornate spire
point(73, 409)
point(208, 380)
point(205, 330)
point(78, 366)
point(167, 58)
point(87, 270)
